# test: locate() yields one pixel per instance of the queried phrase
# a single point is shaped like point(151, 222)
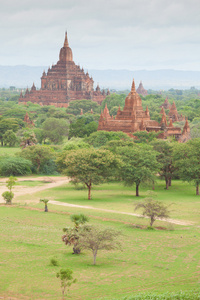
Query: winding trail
point(57, 181)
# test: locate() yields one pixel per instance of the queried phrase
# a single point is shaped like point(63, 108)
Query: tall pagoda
point(63, 82)
point(133, 118)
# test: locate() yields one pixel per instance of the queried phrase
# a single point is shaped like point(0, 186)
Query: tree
point(75, 144)
point(84, 126)
point(187, 161)
point(8, 196)
point(95, 239)
point(7, 124)
point(165, 159)
point(38, 155)
point(153, 209)
point(55, 129)
point(9, 138)
point(27, 137)
point(11, 182)
point(45, 201)
point(100, 138)
point(66, 279)
point(86, 105)
point(113, 100)
point(145, 137)
point(79, 219)
point(139, 165)
point(71, 234)
point(91, 166)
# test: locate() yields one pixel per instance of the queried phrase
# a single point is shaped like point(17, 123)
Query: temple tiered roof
point(133, 118)
point(63, 82)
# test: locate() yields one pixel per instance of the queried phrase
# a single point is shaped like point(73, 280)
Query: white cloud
point(103, 34)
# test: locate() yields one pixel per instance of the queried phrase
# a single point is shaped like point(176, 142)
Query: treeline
point(107, 156)
point(80, 119)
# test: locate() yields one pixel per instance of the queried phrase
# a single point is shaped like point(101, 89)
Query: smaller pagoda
point(141, 90)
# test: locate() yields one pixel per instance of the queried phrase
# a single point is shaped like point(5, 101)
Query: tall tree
point(7, 124)
point(165, 159)
point(139, 165)
point(187, 161)
point(55, 129)
point(38, 155)
point(91, 166)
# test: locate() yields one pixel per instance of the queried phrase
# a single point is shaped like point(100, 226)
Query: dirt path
point(177, 222)
point(49, 182)
point(52, 182)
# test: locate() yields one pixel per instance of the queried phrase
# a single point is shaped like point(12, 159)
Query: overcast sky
point(103, 34)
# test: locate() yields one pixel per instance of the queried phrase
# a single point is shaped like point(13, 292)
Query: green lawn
point(9, 150)
point(159, 260)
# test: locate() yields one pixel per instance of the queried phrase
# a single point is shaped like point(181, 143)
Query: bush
point(15, 166)
point(8, 196)
point(54, 262)
point(49, 168)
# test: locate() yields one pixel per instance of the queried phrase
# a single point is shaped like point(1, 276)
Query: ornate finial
point(66, 44)
point(133, 86)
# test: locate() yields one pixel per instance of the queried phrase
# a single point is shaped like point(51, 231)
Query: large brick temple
point(133, 118)
point(63, 82)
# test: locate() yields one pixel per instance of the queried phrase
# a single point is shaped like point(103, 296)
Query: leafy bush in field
point(8, 196)
point(188, 295)
point(54, 262)
point(14, 166)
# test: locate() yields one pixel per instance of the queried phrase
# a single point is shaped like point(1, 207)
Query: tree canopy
point(91, 166)
point(139, 165)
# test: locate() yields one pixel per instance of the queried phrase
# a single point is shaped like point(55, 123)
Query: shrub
point(15, 166)
point(8, 196)
point(54, 262)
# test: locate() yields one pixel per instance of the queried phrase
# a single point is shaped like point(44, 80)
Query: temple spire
point(133, 87)
point(66, 44)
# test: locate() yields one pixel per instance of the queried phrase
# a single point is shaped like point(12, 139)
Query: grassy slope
point(151, 260)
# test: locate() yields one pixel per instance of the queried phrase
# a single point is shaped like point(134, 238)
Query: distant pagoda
point(141, 90)
point(64, 82)
point(173, 113)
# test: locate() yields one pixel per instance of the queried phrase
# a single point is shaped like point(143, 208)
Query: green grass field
point(151, 261)
point(9, 150)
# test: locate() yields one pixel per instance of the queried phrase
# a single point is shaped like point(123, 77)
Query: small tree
point(9, 138)
point(66, 279)
point(8, 196)
point(11, 182)
point(153, 209)
point(79, 220)
point(45, 201)
point(71, 234)
point(94, 239)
